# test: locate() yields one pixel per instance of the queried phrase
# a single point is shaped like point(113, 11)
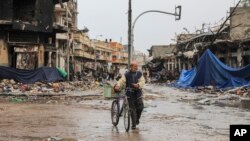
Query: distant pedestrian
point(111, 74)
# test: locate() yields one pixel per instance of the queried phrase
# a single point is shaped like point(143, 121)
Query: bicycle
point(117, 110)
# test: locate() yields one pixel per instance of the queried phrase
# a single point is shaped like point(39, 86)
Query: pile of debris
point(12, 87)
point(243, 91)
point(240, 91)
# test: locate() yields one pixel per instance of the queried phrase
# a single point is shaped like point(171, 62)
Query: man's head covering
point(133, 63)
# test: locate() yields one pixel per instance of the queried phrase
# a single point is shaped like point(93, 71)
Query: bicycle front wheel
point(126, 117)
point(115, 113)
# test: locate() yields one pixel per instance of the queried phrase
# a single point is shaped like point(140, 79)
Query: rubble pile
point(240, 91)
point(9, 86)
point(79, 85)
point(209, 90)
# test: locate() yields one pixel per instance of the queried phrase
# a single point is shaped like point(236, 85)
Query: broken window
point(6, 10)
point(24, 10)
point(23, 37)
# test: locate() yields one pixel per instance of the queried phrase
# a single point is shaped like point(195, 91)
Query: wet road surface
point(165, 117)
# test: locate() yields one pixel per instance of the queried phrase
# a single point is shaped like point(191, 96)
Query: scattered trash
point(10, 86)
point(17, 100)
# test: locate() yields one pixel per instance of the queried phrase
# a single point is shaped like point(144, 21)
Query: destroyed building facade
point(26, 32)
point(37, 33)
point(230, 42)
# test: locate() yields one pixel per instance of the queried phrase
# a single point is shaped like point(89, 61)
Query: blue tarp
point(211, 71)
point(43, 74)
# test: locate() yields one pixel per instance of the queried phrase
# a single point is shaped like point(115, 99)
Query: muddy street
point(169, 114)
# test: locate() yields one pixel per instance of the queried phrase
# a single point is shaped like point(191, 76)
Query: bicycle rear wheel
point(126, 117)
point(115, 113)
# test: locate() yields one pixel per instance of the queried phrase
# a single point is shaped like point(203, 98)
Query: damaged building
point(230, 42)
point(164, 64)
point(37, 33)
point(83, 51)
point(26, 32)
point(65, 23)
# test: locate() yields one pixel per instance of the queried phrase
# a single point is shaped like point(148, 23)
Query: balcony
point(78, 37)
point(81, 38)
point(58, 8)
point(61, 36)
point(80, 53)
point(78, 46)
point(59, 28)
point(102, 45)
point(88, 55)
point(108, 58)
point(116, 45)
point(120, 61)
point(101, 57)
point(124, 54)
point(116, 53)
point(86, 41)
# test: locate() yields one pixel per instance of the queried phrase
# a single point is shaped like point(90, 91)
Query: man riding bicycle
point(133, 81)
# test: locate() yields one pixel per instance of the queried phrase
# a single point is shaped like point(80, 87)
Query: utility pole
point(129, 32)
point(68, 46)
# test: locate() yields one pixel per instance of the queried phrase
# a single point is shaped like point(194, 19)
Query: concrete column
point(49, 59)
point(169, 66)
point(230, 63)
point(228, 57)
point(57, 53)
point(3, 53)
point(189, 65)
point(183, 66)
point(173, 65)
point(41, 51)
point(179, 64)
point(239, 57)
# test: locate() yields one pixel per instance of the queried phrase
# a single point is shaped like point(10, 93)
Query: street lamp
point(129, 32)
point(177, 15)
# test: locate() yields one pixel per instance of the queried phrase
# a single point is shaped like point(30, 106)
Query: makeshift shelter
point(43, 74)
point(211, 71)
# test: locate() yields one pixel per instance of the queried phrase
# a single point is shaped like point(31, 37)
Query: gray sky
point(109, 18)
